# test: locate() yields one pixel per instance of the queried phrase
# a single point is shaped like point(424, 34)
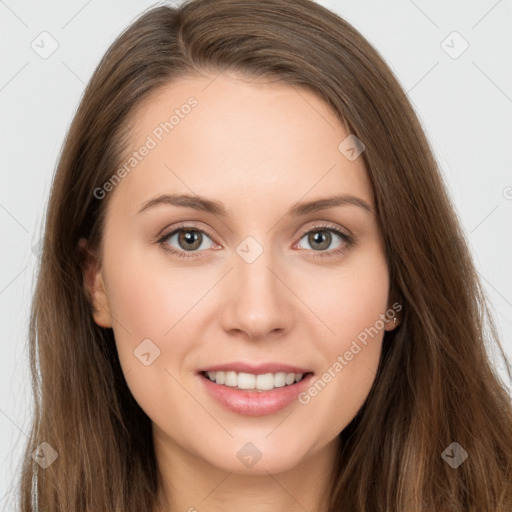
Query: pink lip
point(259, 369)
point(254, 403)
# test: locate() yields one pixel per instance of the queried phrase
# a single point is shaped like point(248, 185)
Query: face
point(256, 285)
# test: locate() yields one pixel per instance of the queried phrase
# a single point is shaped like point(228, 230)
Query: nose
point(258, 302)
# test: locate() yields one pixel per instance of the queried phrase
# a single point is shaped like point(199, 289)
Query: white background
point(464, 104)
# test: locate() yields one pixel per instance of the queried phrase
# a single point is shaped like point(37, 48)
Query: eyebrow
point(217, 208)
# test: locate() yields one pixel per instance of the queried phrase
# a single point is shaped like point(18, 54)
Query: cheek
point(351, 299)
point(351, 308)
point(153, 302)
point(148, 297)
point(148, 302)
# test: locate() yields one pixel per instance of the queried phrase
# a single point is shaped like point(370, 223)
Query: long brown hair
point(435, 385)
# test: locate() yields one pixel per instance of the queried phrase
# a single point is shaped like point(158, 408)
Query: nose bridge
point(252, 272)
point(257, 302)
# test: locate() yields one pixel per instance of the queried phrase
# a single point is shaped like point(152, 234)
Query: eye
point(188, 239)
point(321, 237)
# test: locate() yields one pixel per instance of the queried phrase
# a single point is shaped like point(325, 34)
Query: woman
point(254, 291)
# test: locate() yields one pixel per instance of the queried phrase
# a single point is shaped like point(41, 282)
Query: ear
point(95, 286)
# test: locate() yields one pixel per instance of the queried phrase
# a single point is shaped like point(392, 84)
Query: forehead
point(226, 135)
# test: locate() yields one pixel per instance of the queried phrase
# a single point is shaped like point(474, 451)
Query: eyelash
point(348, 241)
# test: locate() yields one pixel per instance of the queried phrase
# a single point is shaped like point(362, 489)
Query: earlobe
point(101, 315)
point(394, 318)
point(95, 287)
point(394, 312)
point(392, 323)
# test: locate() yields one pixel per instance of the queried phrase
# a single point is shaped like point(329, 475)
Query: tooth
point(290, 378)
point(265, 382)
point(231, 379)
point(279, 379)
point(247, 380)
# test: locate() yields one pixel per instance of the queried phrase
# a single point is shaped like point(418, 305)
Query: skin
point(259, 148)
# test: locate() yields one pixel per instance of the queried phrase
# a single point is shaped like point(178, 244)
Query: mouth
point(255, 394)
point(257, 383)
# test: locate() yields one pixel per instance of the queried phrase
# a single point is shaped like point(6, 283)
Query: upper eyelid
point(326, 226)
point(182, 227)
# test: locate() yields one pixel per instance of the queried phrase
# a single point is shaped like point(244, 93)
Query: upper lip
point(259, 369)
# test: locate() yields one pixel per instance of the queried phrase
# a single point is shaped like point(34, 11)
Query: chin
point(257, 457)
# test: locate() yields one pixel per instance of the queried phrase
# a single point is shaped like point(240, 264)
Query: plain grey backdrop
point(453, 59)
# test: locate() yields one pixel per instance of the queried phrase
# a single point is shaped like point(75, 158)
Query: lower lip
point(254, 403)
